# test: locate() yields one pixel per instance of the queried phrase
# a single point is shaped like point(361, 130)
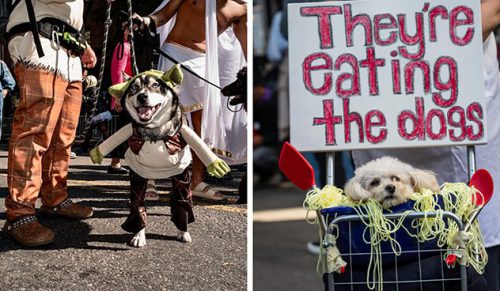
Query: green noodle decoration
point(457, 198)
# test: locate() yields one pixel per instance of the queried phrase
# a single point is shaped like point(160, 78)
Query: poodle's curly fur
point(389, 181)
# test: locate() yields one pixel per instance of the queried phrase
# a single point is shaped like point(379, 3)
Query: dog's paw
point(184, 236)
point(139, 239)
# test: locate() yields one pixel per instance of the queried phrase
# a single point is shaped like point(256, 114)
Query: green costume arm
point(215, 166)
point(99, 152)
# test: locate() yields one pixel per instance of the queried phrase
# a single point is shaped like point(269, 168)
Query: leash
point(96, 92)
point(173, 60)
point(149, 42)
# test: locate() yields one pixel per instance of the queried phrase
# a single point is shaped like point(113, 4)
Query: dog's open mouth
point(147, 112)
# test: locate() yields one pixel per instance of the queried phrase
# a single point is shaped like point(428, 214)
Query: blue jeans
point(311, 158)
point(1, 113)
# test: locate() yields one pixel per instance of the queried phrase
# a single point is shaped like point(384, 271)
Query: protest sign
point(385, 74)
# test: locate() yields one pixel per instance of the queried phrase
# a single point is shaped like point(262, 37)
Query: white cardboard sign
point(385, 74)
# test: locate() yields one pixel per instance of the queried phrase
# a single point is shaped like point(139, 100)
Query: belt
point(56, 30)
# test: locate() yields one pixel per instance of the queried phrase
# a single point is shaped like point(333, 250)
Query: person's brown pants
point(43, 129)
point(181, 202)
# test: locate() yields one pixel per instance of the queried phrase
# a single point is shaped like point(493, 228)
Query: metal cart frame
point(412, 215)
point(328, 228)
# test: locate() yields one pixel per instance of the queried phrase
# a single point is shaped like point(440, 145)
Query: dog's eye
point(375, 183)
point(395, 178)
point(134, 88)
point(155, 85)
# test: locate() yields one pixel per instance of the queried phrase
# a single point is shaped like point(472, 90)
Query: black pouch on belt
point(63, 34)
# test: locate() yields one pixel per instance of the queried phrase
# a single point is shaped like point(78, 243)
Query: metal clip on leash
point(54, 40)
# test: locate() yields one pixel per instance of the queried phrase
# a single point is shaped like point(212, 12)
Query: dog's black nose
point(142, 98)
point(390, 188)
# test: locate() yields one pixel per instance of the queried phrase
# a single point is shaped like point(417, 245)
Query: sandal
point(206, 191)
point(151, 192)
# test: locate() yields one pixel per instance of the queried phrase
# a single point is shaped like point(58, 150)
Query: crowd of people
point(271, 102)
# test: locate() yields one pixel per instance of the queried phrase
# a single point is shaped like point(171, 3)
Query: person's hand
point(88, 58)
point(118, 107)
point(144, 21)
point(5, 93)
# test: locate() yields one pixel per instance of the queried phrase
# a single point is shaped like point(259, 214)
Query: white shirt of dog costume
point(450, 163)
point(154, 160)
point(22, 47)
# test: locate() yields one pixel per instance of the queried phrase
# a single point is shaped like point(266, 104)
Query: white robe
point(221, 128)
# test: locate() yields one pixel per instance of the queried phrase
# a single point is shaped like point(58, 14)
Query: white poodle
point(389, 181)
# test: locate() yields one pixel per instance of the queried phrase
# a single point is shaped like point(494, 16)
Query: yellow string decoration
point(317, 199)
point(457, 198)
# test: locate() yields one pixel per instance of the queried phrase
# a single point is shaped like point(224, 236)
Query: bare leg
point(115, 163)
point(103, 128)
point(151, 192)
point(198, 167)
point(115, 167)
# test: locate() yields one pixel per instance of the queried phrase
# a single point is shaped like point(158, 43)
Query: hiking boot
point(28, 232)
point(68, 209)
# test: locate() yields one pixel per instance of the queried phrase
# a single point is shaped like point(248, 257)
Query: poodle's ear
point(422, 179)
point(355, 191)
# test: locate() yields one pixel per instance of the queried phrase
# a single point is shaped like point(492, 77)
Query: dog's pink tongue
point(145, 112)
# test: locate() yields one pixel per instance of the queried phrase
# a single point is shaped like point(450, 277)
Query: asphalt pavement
point(93, 254)
point(280, 258)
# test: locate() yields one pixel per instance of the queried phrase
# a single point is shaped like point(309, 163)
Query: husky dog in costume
point(159, 140)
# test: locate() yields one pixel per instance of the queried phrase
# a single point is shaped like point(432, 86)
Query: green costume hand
point(218, 168)
point(96, 156)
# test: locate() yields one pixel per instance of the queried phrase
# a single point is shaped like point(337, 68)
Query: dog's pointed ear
point(174, 75)
point(355, 190)
point(422, 179)
point(117, 90)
